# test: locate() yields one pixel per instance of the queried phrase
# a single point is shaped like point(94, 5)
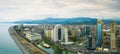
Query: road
point(82, 43)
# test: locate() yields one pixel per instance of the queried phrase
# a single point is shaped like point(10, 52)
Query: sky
point(13, 10)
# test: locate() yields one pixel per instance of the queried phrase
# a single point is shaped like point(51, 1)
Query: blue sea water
point(7, 45)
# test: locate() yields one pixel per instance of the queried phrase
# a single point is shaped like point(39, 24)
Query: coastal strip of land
point(18, 40)
point(13, 34)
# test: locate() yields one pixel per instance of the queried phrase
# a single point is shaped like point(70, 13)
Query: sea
point(7, 44)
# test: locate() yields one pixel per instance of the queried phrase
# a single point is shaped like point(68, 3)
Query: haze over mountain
point(76, 20)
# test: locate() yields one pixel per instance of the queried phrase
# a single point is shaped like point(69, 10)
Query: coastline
point(16, 37)
point(13, 35)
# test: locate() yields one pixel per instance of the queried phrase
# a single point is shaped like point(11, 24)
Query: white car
point(105, 49)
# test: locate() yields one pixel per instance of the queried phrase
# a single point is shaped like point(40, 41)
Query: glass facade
point(87, 30)
point(90, 41)
point(99, 35)
point(59, 34)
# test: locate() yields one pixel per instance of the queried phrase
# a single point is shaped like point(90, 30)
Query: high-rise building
point(74, 32)
point(58, 32)
point(66, 35)
point(47, 33)
point(89, 41)
point(87, 30)
point(106, 38)
point(99, 43)
point(113, 36)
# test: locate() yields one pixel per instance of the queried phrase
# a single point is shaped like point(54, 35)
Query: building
point(33, 36)
point(87, 29)
point(25, 31)
point(74, 33)
point(58, 32)
point(89, 41)
point(113, 36)
point(49, 33)
point(20, 26)
point(106, 38)
point(99, 27)
point(66, 37)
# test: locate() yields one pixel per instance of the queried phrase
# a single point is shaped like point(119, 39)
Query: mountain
point(108, 21)
point(76, 20)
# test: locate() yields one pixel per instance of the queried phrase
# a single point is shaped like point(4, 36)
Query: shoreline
point(20, 46)
point(16, 37)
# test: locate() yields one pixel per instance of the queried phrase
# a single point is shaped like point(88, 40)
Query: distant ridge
point(76, 20)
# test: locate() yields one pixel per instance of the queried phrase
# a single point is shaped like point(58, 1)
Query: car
point(105, 49)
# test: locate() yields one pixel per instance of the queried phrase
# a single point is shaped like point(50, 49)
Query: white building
point(58, 32)
point(33, 36)
point(66, 37)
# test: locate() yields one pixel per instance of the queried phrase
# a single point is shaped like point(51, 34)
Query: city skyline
point(12, 10)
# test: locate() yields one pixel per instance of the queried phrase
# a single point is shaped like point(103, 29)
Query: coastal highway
point(14, 35)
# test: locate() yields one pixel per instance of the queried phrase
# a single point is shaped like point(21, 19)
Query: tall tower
point(99, 43)
point(89, 41)
point(87, 30)
point(113, 36)
point(66, 35)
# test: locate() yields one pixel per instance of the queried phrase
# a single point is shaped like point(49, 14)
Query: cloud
point(12, 10)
